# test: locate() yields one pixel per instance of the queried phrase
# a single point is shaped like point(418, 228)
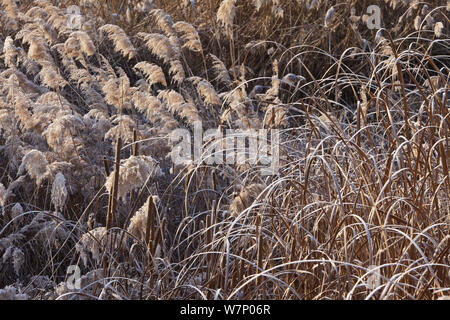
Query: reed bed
point(90, 95)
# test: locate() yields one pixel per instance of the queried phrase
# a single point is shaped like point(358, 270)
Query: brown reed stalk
point(135, 151)
point(113, 195)
point(159, 236)
point(106, 166)
point(259, 246)
point(149, 228)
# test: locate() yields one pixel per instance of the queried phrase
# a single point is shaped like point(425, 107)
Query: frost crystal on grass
point(59, 191)
point(35, 163)
point(11, 293)
point(134, 172)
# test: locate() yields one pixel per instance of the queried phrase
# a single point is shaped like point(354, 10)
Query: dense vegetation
point(89, 96)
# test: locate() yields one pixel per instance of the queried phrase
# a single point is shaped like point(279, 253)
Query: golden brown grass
point(359, 209)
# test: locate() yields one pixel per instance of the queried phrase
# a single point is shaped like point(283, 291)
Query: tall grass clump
point(358, 207)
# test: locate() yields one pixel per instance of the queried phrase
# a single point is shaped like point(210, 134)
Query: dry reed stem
point(149, 229)
point(115, 188)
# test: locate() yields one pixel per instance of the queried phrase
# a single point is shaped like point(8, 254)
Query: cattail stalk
point(149, 230)
point(259, 244)
point(113, 195)
point(159, 236)
point(106, 166)
point(135, 145)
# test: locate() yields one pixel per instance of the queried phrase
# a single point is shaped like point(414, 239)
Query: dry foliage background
point(359, 210)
